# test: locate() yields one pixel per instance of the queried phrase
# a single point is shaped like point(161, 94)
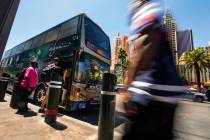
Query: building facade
point(121, 41)
point(8, 9)
point(190, 74)
point(171, 28)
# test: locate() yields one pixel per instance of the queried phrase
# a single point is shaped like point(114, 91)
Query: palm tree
point(198, 59)
point(123, 63)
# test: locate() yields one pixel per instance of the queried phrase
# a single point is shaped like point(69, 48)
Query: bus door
point(67, 78)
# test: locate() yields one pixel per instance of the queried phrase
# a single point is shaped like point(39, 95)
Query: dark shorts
point(152, 122)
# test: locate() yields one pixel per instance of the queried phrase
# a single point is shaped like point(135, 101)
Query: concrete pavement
point(31, 126)
point(192, 123)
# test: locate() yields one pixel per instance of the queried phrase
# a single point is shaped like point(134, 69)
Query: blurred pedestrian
point(152, 77)
point(28, 83)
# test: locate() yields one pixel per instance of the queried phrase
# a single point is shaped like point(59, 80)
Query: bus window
point(28, 45)
point(10, 61)
point(38, 40)
point(18, 49)
point(96, 39)
point(7, 53)
point(69, 28)
point(52, 34)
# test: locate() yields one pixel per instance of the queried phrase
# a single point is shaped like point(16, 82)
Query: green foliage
point(119, 80)
point(123, 63)
point(123, 56)
point(198, 59)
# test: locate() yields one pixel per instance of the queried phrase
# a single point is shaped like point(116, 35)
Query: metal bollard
point(53, 99)
point(15, 95)
point(107, 107)
point(3, 87)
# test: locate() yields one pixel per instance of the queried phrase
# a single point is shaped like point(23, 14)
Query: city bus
point(79, 43)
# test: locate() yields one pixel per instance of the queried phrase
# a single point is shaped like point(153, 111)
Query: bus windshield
point(91, 70)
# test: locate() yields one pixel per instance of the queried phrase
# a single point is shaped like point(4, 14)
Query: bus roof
point(8, 52)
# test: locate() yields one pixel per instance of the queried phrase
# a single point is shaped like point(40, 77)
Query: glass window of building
point(69, 28)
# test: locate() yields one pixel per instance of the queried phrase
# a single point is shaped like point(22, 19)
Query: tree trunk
point(197, 70)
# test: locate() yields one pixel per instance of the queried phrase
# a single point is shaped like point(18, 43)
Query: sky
point(36, 16)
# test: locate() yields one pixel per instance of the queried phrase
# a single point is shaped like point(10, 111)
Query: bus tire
point(39, 95)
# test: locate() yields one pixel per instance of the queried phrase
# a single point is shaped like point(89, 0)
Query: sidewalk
point(192, 123)
point(31, 126)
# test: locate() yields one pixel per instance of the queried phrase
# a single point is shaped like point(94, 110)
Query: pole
point(107, 107)
point(3, 87)
point(15, 94)
point(53, 99)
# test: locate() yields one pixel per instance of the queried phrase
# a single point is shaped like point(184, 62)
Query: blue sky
point(35, 16)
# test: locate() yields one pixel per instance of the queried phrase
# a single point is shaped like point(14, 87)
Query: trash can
point(3, 87)
point(15, 95)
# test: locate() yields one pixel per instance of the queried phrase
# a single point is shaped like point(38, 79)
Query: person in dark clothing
point(28, 83)
point(153, 84)
point(66, 85)
point(20, 74)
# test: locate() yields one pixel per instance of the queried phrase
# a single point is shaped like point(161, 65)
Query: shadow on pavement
point(27, 114)
point(30, 114)
point(58, 126)
point(86, 115)
point(3, 100)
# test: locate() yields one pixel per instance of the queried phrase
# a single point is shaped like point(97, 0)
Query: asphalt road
point(91, 115)
point(193, 121)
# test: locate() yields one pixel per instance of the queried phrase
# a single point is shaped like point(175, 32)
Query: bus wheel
point(39, 95)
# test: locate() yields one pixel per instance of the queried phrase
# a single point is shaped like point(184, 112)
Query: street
point(193, 121)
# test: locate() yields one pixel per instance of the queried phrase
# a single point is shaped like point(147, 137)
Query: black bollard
point(15, 95)
point(107, 107)
point(53, 99)
point(3, 87)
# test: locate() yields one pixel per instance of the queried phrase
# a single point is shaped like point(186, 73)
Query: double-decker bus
point(78, 42)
